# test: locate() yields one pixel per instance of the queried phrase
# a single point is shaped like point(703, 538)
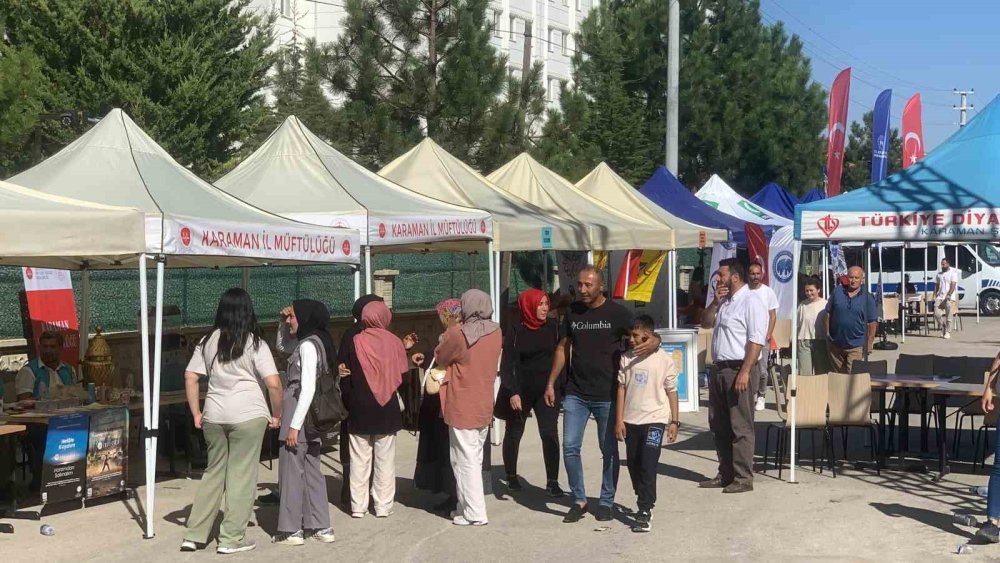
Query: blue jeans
point(576, 413)
point(993, 497)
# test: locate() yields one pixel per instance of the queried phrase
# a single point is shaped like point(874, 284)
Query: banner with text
point(880, 135)
point(107, 462)
point(51, 306)
point(64, 462)
point(982, 223)
point(384, 231)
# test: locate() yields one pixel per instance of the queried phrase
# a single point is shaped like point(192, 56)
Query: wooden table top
point(35, 417)
point(959, 389)
point(896, 380)
point(6, 429)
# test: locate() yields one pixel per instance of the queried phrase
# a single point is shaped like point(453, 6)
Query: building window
point(565, 44)
point(496, 24)
point(285, 7)
point(513, 29)
point(553, 90)
point(552, 40)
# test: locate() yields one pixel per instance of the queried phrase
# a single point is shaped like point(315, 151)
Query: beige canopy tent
point(47, 231)
point(609, 229)
point(517, 225)
point(298, 175)
point(188, 223)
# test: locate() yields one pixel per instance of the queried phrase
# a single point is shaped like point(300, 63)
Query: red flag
point(913, 132)
point(836, 131)
point(757, 246)
point(627, 273)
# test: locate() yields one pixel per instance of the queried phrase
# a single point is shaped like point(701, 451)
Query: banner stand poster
point(682, 346)
point(107, 463)
point(51, 306)
point(64, 462)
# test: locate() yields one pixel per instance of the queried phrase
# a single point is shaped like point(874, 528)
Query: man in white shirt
point(946, 298)
point(770, 300)
point(740, 320)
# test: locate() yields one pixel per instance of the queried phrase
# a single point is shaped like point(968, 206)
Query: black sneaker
point(575, 514)
point(270, 499)
point(604, 514)
point(989, 532)
point(554, 490)
point(513, 483)
point(642, 521)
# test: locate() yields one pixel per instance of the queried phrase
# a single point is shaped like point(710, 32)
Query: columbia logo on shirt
point(599, 325)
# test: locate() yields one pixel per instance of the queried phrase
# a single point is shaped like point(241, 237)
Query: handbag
point(327, 407)
point(432, 379)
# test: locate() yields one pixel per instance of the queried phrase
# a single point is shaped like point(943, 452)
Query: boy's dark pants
point(642, 450)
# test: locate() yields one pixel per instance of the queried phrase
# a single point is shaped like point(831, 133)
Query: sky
point(926, 46)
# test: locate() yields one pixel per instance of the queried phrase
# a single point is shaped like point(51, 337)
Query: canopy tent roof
point(665, 190)
point(717, 193)
point(812, 195)
point(951, 195)
point(526, 178)
point(604, 184)
point(186, 218)
point(48, 231)
point(298, 175)
point(776, 199)
point(432, 171)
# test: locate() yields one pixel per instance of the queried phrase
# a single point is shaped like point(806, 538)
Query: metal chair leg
point(767, 441)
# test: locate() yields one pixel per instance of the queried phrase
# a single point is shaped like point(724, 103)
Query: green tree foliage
point(748, 108)
point(190, 72)
point(858, 154)
point(23, 97)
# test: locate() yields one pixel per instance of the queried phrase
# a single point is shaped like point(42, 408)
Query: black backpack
point(327, 408)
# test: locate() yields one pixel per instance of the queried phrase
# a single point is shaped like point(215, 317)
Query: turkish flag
point(757, 247)
point(913, 132)
point(836, 131)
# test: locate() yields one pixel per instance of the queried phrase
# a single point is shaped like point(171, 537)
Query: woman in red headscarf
point(524, 371)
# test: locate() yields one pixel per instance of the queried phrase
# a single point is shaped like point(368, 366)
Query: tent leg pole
point(84, 331)
point(154, 418)
point(902, 293)
point(796, 251)
point(826, 271)
point(245, 282)
point(150, 465)
point(368, 270)
point(590, 257)
point(674, 281)
point(357, 282)
point(979, 282)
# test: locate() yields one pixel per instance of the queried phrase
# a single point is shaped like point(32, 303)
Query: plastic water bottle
point(979, 491)
point(47, 530)
point(963, 549)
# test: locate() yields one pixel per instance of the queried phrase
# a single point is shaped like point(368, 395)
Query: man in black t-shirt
point(595, 329)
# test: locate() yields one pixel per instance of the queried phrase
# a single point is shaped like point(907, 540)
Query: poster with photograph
point(106, 455)
point(64, 463)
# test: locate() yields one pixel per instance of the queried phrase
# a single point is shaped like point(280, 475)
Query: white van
point(963, 257)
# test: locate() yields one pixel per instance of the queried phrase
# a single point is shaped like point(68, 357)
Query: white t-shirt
point(647, 382)
point(741, 317)
point(25, 380)
point(767, 295)
point(236, 391)
point(943, 283)
point(812, 317)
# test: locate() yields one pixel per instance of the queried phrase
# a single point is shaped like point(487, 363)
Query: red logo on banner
point(381, 230)
point(186, 236)
point(347, 247)
point(482, 227)
point(828, 225)
point(29, 273)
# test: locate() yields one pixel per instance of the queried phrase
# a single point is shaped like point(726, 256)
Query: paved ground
point(857, 515)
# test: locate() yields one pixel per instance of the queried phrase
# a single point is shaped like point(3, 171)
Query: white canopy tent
point(610, 229)
point(604, 184)
point(188, 223)
point(717, 193)
point(298, 175)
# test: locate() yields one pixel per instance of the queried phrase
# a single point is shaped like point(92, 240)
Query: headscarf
point(528, 302)
point(356, 310)
point(380, 352)
point(314, 319)
point(449, 308)
point(477, 313)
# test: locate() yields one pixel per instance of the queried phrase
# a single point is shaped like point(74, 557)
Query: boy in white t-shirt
point(647, 405)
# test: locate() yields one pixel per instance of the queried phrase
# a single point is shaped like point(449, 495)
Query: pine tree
point(191, 72)
point(24, 94)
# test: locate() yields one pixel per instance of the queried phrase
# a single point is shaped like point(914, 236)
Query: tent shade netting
point(665, 190)
point(298, 175)
point(527, 179)
point(812, 195)
point(717, 193)
point(430, 170)
point(604, 184)
point(953, 194)
point(48, 231)
point(187, 219)
point(776, 199)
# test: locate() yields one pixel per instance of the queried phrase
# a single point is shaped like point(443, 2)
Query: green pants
point(233, 453)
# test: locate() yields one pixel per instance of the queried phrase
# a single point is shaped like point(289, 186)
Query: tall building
point(551, 23)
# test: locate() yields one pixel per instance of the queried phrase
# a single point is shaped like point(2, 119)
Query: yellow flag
point(601, 259)
point(650, 263)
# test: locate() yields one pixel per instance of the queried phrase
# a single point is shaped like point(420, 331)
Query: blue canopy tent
point(776, 199)
point(812, 195)
point(952, 195)
point(664, 189)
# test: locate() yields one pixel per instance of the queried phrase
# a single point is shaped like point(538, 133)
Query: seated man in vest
point(41, 377)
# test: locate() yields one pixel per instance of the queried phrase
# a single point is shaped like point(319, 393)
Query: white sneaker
point(239, 547)
point(358, 515)
point(298, 538)
point(947, 335)
point(325, 535)
point(760, 404)
point(386, 514)
point(461, 521)
point(188, 545)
